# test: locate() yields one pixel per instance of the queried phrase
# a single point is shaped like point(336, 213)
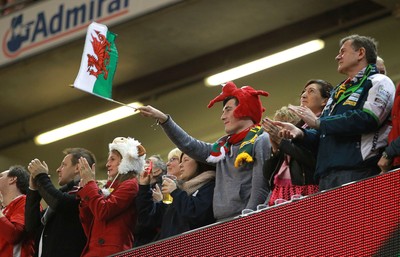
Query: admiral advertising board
point(48, 24)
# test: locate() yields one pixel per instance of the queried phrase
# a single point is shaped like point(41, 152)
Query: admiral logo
point(26, 34)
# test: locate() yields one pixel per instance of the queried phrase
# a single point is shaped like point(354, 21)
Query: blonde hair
point(286, 115)
point(380, 65)
point(174, 153)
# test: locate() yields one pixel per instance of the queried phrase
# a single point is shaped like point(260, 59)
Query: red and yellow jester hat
point(249, 101)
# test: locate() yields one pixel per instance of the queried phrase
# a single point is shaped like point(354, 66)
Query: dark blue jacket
point(353, 129)
point(186, 212)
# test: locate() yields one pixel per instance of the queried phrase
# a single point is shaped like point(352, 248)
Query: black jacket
point(145, 234)
point(63, 235)
point(302, 164)
point(186, 212)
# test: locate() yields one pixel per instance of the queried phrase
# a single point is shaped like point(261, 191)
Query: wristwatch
point(386, 156)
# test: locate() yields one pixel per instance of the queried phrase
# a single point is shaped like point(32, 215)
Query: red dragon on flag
point(97, 63)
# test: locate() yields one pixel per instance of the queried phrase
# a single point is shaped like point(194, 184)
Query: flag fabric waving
point(99, 61)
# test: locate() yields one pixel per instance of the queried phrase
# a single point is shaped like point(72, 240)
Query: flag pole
point(105, 98)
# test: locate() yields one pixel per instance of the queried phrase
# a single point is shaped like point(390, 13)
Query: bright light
point(265, 63)
point(87, 124)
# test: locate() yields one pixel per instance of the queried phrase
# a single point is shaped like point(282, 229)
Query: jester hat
point(249, 101)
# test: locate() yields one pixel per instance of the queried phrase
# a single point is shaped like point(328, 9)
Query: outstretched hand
point(150, 111)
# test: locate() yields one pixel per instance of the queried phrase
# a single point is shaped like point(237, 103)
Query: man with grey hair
point(156, 168)
point(352, 131)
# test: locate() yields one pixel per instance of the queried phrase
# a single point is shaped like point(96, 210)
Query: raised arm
point(32, 210)
point(196, 149)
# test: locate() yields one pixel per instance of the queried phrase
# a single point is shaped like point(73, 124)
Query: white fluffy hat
point(132, 152)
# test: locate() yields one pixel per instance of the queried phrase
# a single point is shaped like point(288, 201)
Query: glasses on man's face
point(173, 159)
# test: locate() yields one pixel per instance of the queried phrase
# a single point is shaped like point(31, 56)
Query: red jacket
point(108, 221)
point(395, 132)
point(12, 232)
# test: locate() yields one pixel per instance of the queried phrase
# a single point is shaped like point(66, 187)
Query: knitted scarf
point(349, 86)
point(222, 146)
point(195, 183)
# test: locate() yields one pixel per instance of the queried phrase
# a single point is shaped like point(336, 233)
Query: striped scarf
point(349, 86)
point(221, 148)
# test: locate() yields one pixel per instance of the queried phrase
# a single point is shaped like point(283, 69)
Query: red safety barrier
point(358, 219)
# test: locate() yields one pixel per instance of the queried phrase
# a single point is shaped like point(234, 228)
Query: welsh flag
point(99, 61)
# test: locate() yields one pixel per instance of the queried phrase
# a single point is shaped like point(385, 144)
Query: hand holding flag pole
point(99, 63)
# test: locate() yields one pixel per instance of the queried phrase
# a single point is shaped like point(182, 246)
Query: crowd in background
point(335, 136)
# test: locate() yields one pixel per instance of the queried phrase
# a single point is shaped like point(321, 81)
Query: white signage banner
point(47, 24)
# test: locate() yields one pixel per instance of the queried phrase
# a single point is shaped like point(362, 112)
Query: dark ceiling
point(164, 57)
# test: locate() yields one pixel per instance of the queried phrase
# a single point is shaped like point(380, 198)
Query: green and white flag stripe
point(99, 61)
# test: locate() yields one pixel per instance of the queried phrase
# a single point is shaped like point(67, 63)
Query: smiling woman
point(173, 162)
